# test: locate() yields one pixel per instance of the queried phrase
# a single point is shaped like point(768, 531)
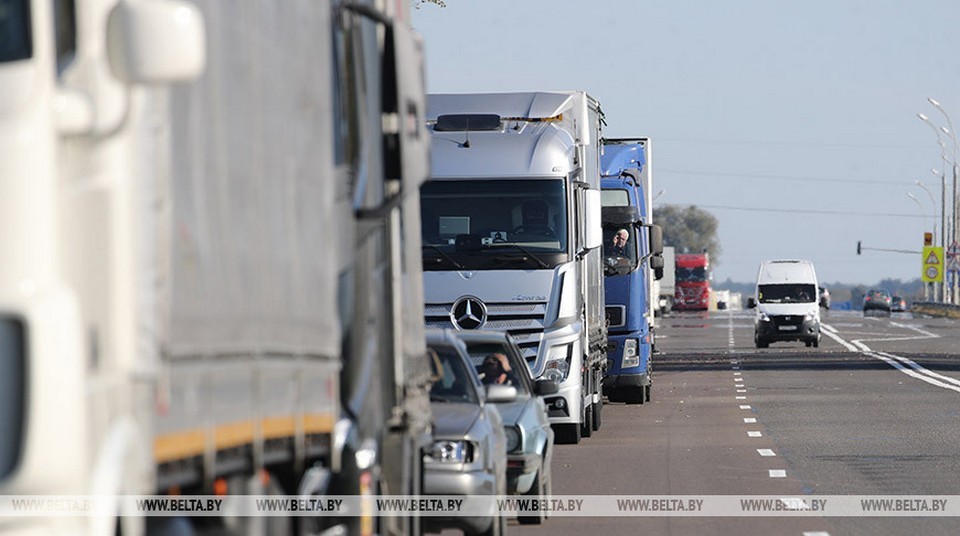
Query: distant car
point(824, 297)
point(877, 300)
point(529, 436)
point(469, 451)
point(898, 304)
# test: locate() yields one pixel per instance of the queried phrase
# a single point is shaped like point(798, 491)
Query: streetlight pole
point(923, 213)
point(943, 199)
point(933, 205)
point(956, 153)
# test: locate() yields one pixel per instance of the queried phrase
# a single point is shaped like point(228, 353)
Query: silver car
point(525, 420)
point(469, 451)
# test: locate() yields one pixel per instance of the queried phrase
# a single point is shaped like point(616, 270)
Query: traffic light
point(927, 239)
point(858, 247)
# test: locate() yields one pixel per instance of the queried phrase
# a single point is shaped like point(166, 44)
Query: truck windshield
point(494, 224)
point(787, 293)
point(691, 275)
point(15, 41)
point(619, 248)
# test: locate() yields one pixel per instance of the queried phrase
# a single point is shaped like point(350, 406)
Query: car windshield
point(488, 358)
point(786, 293)
point(493, 224)
point(455, 384)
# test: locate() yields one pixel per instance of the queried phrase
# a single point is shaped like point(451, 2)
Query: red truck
point(692, 282)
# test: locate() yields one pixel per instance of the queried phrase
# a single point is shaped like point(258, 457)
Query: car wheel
point(816, 343)
point(762, 343)
point(566, 434)
point(537, 491)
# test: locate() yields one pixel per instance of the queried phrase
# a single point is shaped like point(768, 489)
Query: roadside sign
point(932, 264)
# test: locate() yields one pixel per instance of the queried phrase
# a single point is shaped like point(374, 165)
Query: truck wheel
point(586, 427)
point(566, 434)
point(597, 408)
point(635, 396)
point(647, 391)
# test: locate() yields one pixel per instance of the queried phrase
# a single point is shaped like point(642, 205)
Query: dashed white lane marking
point(736, 368)
point(749, 420)
point(738, 385)
point(741, 390)
point(766, 452)
point(904, 365)
point(821, 533)
point(744, 406)
point(778, 473)
point(737, 373)
point(741, 398)
point(754, 433)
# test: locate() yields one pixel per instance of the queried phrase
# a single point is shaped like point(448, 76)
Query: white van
point(787, 304)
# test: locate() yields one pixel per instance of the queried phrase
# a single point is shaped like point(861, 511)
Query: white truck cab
point(786, 300)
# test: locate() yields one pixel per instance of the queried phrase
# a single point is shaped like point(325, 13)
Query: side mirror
point(656, 239)
point(594, 238)
point(751, 303)
point(656, 263)
point(501, 393)
point(546, 387)
point(156, 41)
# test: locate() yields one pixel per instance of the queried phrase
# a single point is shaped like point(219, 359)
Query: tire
point(762, 343)
point(537, 491)
point(636, 396)
point(808, 343)
point(648, 390)
point(566, 434)
point(597, 408)
point(816, 343)
point(586, 427)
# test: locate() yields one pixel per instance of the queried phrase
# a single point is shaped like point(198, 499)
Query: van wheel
point(762, 343)
point(635, 396)
point(808, 343)
point(647, 391)
point(816, 343)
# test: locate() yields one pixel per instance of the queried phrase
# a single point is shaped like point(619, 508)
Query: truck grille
point(523, 321)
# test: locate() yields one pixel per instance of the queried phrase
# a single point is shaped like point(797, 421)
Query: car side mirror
point(751, 303)
point(546, 387)
point(501, 393)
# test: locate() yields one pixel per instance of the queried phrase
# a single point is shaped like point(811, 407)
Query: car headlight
point(450, 452)
point(514, 438)
point(558, 363)
point(764, 317)
point(810, 316)
point(630, 356)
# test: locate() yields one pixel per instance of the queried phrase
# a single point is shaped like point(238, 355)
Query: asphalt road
point(873, 411)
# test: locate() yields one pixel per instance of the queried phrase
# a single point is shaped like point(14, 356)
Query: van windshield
point(787, 293)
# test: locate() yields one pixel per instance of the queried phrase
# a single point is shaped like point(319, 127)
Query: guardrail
point(936, 309)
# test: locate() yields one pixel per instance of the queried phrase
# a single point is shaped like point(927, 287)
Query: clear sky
point(794, 123)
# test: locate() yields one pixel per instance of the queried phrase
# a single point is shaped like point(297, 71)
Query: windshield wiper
point(449, 259)
point(526, 252)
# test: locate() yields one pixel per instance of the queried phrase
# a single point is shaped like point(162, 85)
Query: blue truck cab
point(632, 247)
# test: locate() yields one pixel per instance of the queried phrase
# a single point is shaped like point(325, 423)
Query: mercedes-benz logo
point(468, 313)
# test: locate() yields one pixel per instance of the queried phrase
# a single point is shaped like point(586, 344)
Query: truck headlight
point(558, 362)
point(630, 356)
point(810, 316)
point(514, 438)
point(450, 452)
point(764, 317)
